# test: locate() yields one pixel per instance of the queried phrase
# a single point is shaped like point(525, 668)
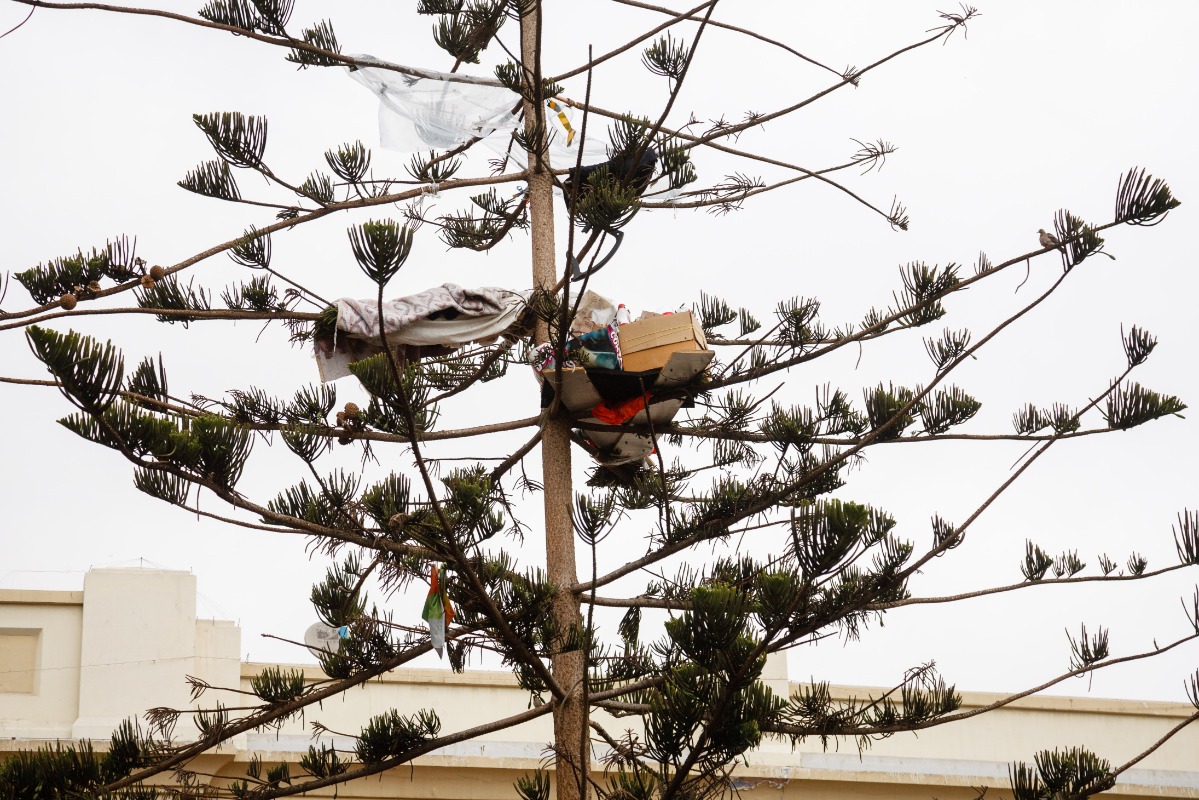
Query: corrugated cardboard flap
point(661, 330)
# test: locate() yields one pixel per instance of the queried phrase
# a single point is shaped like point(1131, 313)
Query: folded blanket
point(446, 302)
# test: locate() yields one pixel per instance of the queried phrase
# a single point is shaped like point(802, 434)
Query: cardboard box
point(648, 343)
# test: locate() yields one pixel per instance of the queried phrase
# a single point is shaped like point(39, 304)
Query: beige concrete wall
point(55, 621)
point(217, 652)
point(139, 630)
point(123, 645)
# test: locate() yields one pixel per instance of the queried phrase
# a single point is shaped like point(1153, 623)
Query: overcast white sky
point(1042, 107)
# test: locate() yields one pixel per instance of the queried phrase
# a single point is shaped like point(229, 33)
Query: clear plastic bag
point(429, 110)
point(437, 111)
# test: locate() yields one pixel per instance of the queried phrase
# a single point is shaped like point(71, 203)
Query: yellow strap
point(570, 134)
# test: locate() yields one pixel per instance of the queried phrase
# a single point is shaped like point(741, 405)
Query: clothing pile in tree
point(617, 372)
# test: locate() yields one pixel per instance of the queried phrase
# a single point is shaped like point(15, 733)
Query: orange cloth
point(620, 412)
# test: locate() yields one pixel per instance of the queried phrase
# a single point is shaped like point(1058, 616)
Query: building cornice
point(41, 597)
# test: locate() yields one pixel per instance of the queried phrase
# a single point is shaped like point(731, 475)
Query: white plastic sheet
point(435, 112)
point(440, 111)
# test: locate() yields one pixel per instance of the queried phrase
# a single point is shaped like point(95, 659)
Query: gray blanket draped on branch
point(445, 316)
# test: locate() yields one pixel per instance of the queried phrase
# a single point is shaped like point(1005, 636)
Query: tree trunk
point(572, 763)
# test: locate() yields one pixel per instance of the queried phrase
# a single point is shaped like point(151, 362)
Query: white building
point(74, 664)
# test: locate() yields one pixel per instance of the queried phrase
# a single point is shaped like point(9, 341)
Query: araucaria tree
point(705, 474)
